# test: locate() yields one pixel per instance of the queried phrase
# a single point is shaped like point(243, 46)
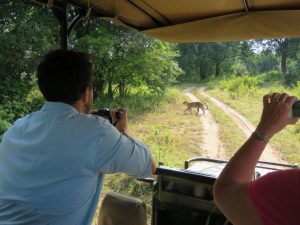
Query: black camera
point(105, 114)
point(295, 113)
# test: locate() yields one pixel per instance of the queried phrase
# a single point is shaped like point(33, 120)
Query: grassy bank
point(172, 135)
point(248, 101)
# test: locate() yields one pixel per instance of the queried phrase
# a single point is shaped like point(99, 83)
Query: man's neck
point(80, 107)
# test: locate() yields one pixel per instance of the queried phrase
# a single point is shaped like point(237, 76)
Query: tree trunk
point(283, 62)
point(122, 89)
point(99, 87)
point(110, 90)
point(202, 72)
point(283, 48)
point(217, 69)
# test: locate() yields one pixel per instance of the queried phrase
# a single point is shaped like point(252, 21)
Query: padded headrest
point(118, 209)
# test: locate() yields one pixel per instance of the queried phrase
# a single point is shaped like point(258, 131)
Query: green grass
point(248, 106)
point(230, 135)
point(287, 141)
point(172, 135)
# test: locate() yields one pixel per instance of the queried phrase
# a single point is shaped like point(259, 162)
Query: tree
point(196, 54)
point(208, 59)
point(124, 58)
point(97, 38)
point(161, 69)
point(26, 33)
point(285, 48)
point(221, 52)
point(266, 61)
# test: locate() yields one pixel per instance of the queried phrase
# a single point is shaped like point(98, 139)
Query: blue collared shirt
point(52, 165)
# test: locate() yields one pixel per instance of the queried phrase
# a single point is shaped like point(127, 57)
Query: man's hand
point(121, 123)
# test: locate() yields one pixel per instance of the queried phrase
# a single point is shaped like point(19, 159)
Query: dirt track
point(212, 145)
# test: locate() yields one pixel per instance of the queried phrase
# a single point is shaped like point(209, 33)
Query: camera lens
point(118, 114)
point(105, 113)
point(296, 109)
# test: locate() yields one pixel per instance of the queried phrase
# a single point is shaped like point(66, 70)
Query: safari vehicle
point(184, 196)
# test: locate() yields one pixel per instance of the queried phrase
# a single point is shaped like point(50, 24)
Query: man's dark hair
point(64, 75)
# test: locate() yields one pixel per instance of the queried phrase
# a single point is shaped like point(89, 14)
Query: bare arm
point(230, 190)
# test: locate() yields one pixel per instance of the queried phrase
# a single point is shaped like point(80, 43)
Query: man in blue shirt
point(53, 161)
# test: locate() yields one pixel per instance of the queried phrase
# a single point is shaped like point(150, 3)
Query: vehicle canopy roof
point(198, 21)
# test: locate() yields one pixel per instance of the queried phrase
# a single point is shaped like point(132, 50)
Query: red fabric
point(275, 197)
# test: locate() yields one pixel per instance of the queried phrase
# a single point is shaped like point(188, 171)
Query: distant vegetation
point(245, 95)
point(136, 72)
point(129, 66)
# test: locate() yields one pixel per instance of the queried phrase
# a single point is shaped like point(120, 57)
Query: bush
point(13, 109)
point(4, 125)
point(238, 86)
point(296, 89)
point(293, 71)
point(271, 77)
point(139, 103)
point(240, 69)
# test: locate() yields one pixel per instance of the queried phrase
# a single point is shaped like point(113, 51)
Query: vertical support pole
point(61, 15)
point(64, 28)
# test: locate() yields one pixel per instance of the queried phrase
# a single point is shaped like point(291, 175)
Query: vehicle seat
point(118, 209)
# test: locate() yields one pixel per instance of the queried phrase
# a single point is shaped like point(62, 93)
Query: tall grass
point(138, 104)
point(236, 86)
point(172, 135)
point(250, 105)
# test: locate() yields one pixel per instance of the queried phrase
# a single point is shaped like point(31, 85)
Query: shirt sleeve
point(119, 153)
point(275, 197)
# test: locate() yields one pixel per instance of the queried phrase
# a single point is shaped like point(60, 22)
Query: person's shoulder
point(91, 121)
point(21, 120)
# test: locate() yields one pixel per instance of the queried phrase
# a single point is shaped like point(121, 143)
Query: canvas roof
point(199, 20)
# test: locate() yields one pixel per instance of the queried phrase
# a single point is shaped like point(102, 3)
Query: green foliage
point(271, 77)
point(266, 61)
point(27, 36)
point(287, 141)
point(4, 125)
point(207, 60)
point(273, 80)
point(158, 137)
point(240, 69)
point(23, 39)
point(139, 104)
point(126, 59)
point(293, 72)
point(160, 68)
point(14, 109)
point(296, 89)
point(296, 130)
point(239, 86)
point(161, 140)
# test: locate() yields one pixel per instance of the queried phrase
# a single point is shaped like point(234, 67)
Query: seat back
point(118, 209)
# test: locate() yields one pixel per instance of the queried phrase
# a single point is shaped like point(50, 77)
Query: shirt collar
point(57, 106)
